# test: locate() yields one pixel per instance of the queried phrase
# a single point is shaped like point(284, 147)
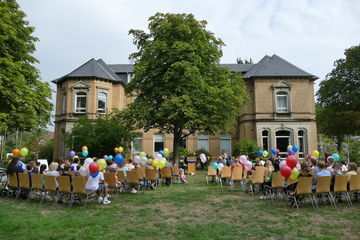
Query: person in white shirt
point(330, 162)
point(98, 183)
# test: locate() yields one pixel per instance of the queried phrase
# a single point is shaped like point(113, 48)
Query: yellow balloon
point(121, 149)
point(154, 163)
point(294, 173)
point(166, 150)
point(102, 164)
point(162, 165)
point(315, 153)
point(289, 146)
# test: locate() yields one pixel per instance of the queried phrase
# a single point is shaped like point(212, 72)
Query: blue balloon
point(273, 151)
point(295, 148)
point(215, 165)
point(260, 152)
point(161, 152)
point(94, 175)
point(119, 159)
point(20, 164)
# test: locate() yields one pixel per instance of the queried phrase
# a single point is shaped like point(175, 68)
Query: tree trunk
point(176, 143)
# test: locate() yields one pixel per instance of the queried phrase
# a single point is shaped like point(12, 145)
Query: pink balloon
point(286, 171)
point(248, 165)
point(283, 162)
point(291, 161)
point(137, 159)
point(243, 159)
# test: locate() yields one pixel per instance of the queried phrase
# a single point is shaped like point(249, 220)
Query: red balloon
point(93, 167)
point(286, 171)
point(277, 151)
point(291, 161)
point(309, 156)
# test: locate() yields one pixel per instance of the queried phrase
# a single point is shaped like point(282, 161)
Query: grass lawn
point(192, 211)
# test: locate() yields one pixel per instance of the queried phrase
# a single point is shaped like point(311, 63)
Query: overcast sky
point(310, 34)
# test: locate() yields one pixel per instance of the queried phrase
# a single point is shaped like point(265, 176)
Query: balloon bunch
point(275, 151)
point(292, 149)
point(23, 152)
point(289, 168)
point(203, 158)
point(159, 161)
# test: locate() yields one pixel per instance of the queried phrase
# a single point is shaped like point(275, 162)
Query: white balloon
point(243, 159)
point(298, 166)
point(220, 166)
point(83, 171)
point(87, 162)
point(143, 161)
point(283, 162)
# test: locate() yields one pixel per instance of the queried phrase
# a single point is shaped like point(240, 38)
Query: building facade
point(282, 110)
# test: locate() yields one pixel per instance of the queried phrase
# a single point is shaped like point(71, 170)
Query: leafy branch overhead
point(179, 85)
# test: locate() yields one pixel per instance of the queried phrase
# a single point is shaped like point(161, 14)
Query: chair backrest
point(267, 174)
point(344, 172)
point(78, 185)
point(13, 180)
point(166, 172)
point(237, 174)
point(60, 172)
point(24, 180)
point(110, 179)
point(323, 184)
point(226, 172)
point(64, 184)
point(258, 176)
point(355, 183)
point(291, 181)
point(141, 173)
point(36, 182)
point(246, 174)
point(120, 175)
point(150, 174)
point(176, 170)
point(50, 184)
point(260, 168)
point(132, 177)
point(72, 173)
point(340, 184)
point(211, 171)
point(304, 186)
point(278, 180)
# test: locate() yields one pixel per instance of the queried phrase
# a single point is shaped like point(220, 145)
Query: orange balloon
point(84, 148)
point(16, 152)
point(116, 149)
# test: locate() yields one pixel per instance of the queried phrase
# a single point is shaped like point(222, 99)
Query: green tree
point(246, 147)
point(179, 85)
point(101, 136)
point(24, 98)
point(338, 102)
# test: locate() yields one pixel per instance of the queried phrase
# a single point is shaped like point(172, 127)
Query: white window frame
point(78, 97)
point(279, 99)
point(159, 138)
point(227, 147)
point(205, 138)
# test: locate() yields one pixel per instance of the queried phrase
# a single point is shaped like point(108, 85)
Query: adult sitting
point(130, 164)
point(53, 172)
point(330, 162)
point(269, 182)
point(313, 165)
point(353, 170)
point(336, 172)
point(322, 173)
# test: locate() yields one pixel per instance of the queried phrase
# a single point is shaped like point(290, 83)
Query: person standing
point(224, 155)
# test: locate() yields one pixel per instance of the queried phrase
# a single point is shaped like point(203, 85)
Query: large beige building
point(282, 110)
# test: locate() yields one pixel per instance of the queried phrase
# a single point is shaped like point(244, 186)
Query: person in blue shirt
point(322, 173)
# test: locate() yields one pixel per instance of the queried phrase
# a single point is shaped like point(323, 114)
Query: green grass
point(192, 211)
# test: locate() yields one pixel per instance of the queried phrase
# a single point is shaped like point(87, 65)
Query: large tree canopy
point(179, 85)
point(23, 97)
point(338, 101)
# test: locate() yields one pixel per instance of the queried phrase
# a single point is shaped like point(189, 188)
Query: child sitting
point(182, 176)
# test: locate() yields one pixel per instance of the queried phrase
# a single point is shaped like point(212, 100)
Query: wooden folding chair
point(355, 183)
point(64, 187)
point(13, 183)
point(236, 175)
point(277, 182)
point(141, 176)
point(304, 188)
point(225, 174)
point(323, 187)
point(79, 188)
point(257, 179)
point(50, 186)
point(24, 184)
point(176, 172)
point(166, 174)
point(340, 186)
point(211, 173)
point(111, 181)
point(132, 179)
point(150, 175)
point(121, 178)
point(36, 185)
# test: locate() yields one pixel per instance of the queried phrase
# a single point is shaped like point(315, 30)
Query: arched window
point(80, 102)
point(282, 141)
point(265, 140)
point(301, 141)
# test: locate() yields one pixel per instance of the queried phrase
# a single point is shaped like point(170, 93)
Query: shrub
point(246, 146)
